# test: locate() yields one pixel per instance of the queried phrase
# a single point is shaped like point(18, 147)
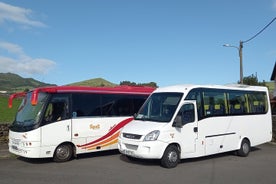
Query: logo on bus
point(95, 127)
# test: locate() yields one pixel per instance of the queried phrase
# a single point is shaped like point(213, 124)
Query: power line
point(241, 46)
point(260, 31)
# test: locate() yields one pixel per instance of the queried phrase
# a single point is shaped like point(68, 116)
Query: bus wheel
point(63, 153)
point(245, 148)
point(170, 157)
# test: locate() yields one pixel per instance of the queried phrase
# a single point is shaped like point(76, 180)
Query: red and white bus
point(64, 121)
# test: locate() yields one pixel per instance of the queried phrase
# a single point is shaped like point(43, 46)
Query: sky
point(164, 41)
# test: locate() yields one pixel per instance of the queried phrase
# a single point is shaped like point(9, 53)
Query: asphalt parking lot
point(112, 167)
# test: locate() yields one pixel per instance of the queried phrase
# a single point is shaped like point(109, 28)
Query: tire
point(244, 149)
point(63, 153)
point(170, 157)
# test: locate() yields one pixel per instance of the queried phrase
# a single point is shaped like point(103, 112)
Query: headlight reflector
point(152, 136)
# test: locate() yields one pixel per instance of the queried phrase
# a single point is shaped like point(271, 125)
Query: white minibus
point(187, 121)
point(63, 121)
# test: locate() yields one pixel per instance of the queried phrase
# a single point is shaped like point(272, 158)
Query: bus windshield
point(159, 107)
point(28, 116)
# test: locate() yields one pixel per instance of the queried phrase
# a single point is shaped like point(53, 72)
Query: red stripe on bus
point(111, 132)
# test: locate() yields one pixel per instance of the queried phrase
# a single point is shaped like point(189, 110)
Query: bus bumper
point(27, 151)
point(144, 149)
point(23, 151)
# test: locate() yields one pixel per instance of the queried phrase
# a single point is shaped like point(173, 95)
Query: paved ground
point(4, 151)
point(112, 167)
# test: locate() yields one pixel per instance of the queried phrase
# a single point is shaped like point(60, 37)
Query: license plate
point(128, 152)
point(15, 142)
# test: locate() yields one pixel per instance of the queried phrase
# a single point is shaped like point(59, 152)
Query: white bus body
point(63, 121)
point(187, 121)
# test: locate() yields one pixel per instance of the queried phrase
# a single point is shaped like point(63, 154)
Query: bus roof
point(116, 89)
point(188, 87)
point(141, 90)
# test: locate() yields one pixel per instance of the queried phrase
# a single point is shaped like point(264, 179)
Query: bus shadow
point(135, 161)
point(138, 161)
point(35, 160)
point(155, 162)
point(97, 154)
point(216, 156)
point(78, 157)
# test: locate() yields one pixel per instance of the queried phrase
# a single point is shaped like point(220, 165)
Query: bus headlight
point(152, 136)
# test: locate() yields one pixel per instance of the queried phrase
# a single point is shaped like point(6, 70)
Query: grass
point(7, 115)
point(270, 86)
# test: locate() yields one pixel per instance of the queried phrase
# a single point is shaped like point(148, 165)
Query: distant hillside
point(12, 82)
point(93, 82)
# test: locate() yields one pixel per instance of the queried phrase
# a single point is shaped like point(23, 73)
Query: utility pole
point(240, 55)
point(241, 67)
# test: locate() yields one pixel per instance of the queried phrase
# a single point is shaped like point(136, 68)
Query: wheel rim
point(172, 156)
point(63, 152)
point(245, 148)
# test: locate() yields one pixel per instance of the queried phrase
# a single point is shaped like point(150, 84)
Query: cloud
point(18, 15)
point(14, 60)
point(11, 48)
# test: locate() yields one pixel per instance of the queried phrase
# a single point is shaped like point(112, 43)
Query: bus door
point(187, 127)
point(56, 122)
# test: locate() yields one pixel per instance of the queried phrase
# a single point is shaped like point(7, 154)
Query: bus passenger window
point(219, 109)
point(214, 103)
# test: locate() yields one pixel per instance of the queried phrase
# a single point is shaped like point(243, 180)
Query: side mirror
point(177, 122)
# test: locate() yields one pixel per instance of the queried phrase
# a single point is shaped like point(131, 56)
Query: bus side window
point(59, 111)
point(186, 114)
point(55, 111)
point(196, 94)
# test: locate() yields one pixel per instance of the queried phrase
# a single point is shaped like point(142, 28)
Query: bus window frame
point(261, 96)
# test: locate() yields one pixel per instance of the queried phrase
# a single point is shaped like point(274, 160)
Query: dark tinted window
point(121, 105)
point(106, 104)
point(86, 104)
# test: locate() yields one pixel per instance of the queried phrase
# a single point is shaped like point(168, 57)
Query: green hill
point(12, 82)
point(93, 82)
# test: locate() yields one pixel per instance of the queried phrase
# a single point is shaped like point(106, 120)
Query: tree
point(128, 83)
point(252, 80)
